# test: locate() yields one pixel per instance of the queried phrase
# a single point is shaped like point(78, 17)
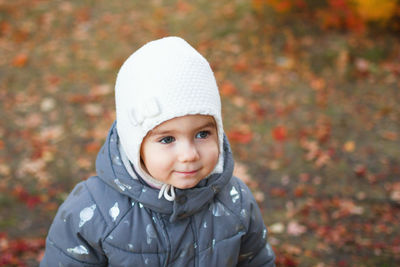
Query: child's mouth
point(187, 173)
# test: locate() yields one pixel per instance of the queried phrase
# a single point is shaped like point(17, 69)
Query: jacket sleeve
point(255, 249)
point(75, 236)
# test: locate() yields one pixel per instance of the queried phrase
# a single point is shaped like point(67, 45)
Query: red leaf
point(241, 65)
point(360, 170)
point(25, 197)
point(279, 133)
point(240, 136)
point(277, 192)
point(33, 201)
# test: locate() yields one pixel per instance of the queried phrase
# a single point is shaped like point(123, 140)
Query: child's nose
point(188, 152)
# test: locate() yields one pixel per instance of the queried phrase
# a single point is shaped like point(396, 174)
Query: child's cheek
point(161, 154)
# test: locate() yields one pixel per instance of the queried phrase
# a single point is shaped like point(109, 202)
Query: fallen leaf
point(33, 120)
point(389, 135)
point(349, 146)
point(183, 7)
point(47, 104)
point(277, 192)
point(241, 65)
point(299, 191)
point(257, 87)
point(92, 147)
point(295, 229)
point(228, 89)
point(349, 206)
point(101, 90)
point(395, 194)
point(362, 65)
point(277, 228)
point(93, 109)
point(241, 137)
point(239, 101)
point(322, 159)
point(292, 249)
point(54, 133)
point(4, 169)
point(256, 109)
point(279, 133)
point(360, 170)
point(20, 60)
point(259, 196)
point(318, 84)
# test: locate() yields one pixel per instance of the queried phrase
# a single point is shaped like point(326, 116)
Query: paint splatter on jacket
point(114, 220)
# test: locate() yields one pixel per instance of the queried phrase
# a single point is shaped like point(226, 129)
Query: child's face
point(181, 151)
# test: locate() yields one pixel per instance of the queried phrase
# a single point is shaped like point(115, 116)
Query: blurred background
point(310, 92)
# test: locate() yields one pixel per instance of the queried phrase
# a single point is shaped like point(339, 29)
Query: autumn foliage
point(353, 15)
point(15, 252)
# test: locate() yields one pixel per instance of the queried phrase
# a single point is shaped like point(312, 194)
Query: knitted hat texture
point(164, 79)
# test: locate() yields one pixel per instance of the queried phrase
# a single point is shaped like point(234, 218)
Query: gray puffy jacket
point(114, 220)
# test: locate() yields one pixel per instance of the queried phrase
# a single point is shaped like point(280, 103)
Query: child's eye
point(167, 140)
point(202, 134)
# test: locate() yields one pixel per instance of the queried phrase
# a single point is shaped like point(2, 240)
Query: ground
point(312, 116)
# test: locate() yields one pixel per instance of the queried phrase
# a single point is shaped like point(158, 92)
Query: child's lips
point(187, 173)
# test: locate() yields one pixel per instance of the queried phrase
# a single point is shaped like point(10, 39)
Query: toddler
point(164, 194)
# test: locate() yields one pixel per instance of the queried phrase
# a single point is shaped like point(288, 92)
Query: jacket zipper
point(166, 237)
point(195, 245)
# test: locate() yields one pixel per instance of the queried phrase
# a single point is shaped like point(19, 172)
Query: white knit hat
point(164, 79)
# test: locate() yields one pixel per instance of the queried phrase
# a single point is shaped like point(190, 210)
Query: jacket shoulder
point(91, 211)
point(238, 198)
point(83, 222)
point(111, 203)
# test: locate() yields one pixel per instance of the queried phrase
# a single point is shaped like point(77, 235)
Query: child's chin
point(186, 185)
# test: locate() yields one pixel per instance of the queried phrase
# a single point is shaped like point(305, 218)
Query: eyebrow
point(210, 124)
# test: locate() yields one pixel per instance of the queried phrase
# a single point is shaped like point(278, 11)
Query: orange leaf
point(258, 5)
point(257, 88)
point(227, 89)
point(92, 147)
point(299, 191)
point(183, 7)
point(389, 135)
point(80, 98)
point(283, 6)
point(20, 60)
point(83, 15)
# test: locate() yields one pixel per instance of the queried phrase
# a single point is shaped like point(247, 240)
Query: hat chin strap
point(164, 192)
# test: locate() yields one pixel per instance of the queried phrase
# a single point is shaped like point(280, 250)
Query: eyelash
point(170, 139)
point(204, 132)
point(163, 140)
